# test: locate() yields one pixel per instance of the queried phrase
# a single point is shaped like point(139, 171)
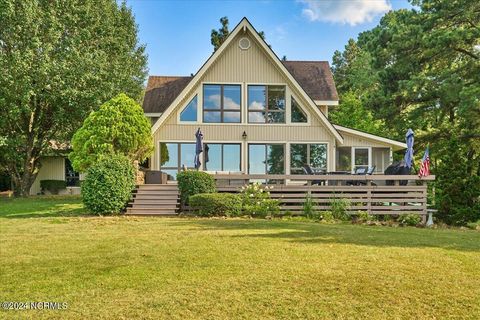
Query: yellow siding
point(246, 67)
point(350, 140)
point(52, 168)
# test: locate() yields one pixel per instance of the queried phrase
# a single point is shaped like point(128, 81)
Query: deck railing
point(376, 194)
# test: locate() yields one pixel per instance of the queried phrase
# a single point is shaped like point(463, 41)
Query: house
point(258, 115)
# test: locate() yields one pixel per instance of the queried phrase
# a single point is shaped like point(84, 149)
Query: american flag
point(425, 167)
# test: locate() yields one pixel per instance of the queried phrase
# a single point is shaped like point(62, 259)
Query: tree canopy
point(60, 60)
point(119, 127)
point(420, 68)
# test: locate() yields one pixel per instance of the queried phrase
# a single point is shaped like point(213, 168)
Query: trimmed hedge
point(216, 204)
point(54, 186)
point(194, 182)
point(108, 185)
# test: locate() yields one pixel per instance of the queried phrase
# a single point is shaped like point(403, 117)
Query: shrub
point(256, 201)
point(216, 204)
point(194, 182)
point(53, 186)
point(327, 216)
point(339, 209)
point(309, 207)
point(364, 216)
point(409, 219)
point(108, 185)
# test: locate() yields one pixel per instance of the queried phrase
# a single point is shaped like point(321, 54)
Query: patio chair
point(361, 171)
point(308, 170)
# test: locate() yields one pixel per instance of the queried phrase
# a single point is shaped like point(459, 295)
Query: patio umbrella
point(198, 148)
point(409, 152)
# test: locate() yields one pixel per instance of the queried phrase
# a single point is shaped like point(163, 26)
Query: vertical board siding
point(52, 168)
point(350, 140)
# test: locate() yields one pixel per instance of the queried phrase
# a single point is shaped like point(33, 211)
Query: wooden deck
point(376, 194)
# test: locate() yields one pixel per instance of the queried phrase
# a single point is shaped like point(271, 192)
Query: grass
point(154, 268)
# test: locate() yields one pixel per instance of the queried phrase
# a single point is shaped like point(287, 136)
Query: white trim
point(326, 103)
point(245, 24)
point(399, 145)
point(179, 112)
point(352, 156)
point(153, 114)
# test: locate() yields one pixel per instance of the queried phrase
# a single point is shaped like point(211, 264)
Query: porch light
point(244, 135)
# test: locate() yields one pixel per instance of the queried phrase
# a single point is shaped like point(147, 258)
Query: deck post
point(369, 196)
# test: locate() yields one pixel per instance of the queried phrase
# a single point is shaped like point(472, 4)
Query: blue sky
point(177, 33)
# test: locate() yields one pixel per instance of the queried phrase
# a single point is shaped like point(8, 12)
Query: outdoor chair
point(361, 171)
point(308, 170)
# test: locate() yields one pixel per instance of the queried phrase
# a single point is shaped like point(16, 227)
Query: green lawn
point(154, 268)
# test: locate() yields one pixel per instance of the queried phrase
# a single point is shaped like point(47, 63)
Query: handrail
point(325, 177)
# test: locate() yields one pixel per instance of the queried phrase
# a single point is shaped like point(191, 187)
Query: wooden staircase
point(155, 199)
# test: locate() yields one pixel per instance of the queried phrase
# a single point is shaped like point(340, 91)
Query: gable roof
point(315, 77)
point(397, 145)
point(162, 91)
point(244, 24)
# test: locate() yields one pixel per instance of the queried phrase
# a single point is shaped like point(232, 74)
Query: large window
point(266, 158)
point(221, 103)
point(266, 104)
point(189, 113)
point(179, 154)
point(298, 116)
point(222, 157)
point(315, 155)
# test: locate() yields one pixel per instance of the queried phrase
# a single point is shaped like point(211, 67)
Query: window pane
point(256, 117)
point(214, 157)
point(231, 97)
point(276, 97)
point(190, 111)
point(172, 151)
point(211, 96)
point(231, 157)
point(297, 113)
point(343, 159)
point(231, 116)
point(256, 97)
point(275, 159)
point(298, 157)
point(275, 117)
point(318, 156)
point(212, 116)
point(256, 158)
point(361, 157)
point(187, 152)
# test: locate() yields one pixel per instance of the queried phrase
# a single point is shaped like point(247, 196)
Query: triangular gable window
point(298, 116)
point(189, 113)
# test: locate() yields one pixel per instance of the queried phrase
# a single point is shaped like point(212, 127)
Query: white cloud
point(350, 12)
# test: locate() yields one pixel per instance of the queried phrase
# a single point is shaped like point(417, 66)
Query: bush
point(364, 216)
point(409, 219)
point(108, 185)
point(256, 201)
point(309, 207)
point(327, 216)
point(53, 186)
point(216, 204)
point(339, 209)
point(194, 182)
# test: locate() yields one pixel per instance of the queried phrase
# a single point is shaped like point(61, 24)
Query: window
point(221, 103)
point(189, 113)
point(72, 178)
point(266, 104)
point(298, 116)
point(361, 157)
point(266, 158)
point(343, 159)
point(179, 154)
point(222, 157)
point(314, 155)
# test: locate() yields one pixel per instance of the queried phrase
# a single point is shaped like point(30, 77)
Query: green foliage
point(119, 127)
point(364, 217)
point(5, 181)
point(53, 186)
point(327, 216)
point(474, 225)
point(108, 185)
point(257, 201)
point(60, 60)
point(339, 208)
point(216, 204)
point(192, 182)
point(409, 219)
point(309, 207)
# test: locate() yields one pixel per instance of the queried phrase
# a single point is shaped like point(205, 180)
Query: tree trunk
point(23, 180)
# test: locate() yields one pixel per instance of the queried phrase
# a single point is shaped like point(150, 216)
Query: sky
point(177, 33)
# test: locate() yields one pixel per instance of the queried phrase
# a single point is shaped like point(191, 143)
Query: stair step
point(155, 201)
point(158, 186)
point(154, 197)
point(154, 207)
point(143, 211)
point(158, 192)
